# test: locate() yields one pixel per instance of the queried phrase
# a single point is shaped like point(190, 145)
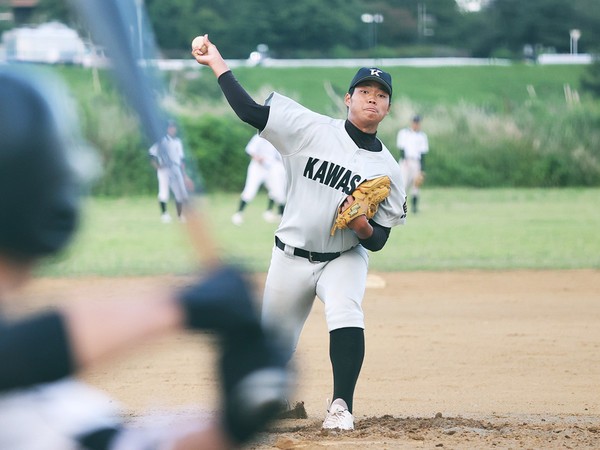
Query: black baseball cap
point(374, 74)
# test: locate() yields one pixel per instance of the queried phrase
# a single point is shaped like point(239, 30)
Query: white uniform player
point(414, 145)
point(168, 159)
point(322, 172)
point(324, 159)
point(265, 168)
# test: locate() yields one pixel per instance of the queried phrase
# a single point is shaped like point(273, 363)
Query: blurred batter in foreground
point(42, 405)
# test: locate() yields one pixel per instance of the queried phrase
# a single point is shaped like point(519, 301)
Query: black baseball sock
point(346, 352)
point(163, 207)
point(242, 206)
point(270, 204)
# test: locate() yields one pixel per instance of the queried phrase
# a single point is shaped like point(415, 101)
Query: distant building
point(49, 43)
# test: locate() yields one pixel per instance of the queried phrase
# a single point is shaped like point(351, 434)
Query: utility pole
point(423, 21)
point(575, 34)
point(372, 20)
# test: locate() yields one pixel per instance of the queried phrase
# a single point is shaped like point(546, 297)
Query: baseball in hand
point(199, 42)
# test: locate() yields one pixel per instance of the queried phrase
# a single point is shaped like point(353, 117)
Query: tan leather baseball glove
point(367, 197)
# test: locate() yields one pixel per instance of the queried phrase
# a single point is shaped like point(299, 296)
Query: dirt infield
point(454, 360)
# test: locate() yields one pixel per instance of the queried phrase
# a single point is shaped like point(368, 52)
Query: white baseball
point(199, 42)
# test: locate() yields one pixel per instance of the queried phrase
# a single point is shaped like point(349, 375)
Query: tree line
point(365, 28)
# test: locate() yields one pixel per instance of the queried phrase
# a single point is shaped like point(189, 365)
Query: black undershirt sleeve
point(242, 104)
point(378, 238)
point(34, 351)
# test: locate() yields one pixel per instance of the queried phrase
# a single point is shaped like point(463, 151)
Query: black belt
point(311, 256)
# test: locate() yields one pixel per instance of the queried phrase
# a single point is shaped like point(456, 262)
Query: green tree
point(588, 21)
point(312, 25)
point(239, 26)
point(177, 22)
point(545, 24)
point(425, 22)
point(590, 80)
point(322, 28)
point(48, 10)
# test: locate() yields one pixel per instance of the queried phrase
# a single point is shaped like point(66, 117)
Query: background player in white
point(167, 157)
point(413, 145)
point(41, 406)
point(265, 167)
point(324, 158)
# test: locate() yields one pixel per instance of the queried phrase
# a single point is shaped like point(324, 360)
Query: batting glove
point(221, 302)
point(255, 382)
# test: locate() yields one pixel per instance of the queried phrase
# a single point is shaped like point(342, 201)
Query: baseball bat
point(117, 25)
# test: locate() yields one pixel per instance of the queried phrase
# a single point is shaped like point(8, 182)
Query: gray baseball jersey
point(323, 167)
point(168, 153)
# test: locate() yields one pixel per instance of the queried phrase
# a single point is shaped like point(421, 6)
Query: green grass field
point(457, 229)
point(495, 87)
point(498, 88)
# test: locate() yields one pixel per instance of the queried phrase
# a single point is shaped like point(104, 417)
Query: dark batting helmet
point(39, 194)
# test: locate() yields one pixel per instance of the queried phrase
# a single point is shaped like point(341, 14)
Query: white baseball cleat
point(165, 218)
point(338, 417)
point(237, 219)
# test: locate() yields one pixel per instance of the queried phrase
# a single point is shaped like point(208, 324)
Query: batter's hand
point(221, 302)
point(253, 370)
point(255, 382)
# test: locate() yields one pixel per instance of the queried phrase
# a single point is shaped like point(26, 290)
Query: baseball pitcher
point(344, 194)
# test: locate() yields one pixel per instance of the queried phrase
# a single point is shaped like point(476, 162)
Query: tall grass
point(490, 126)
point(537, 145)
